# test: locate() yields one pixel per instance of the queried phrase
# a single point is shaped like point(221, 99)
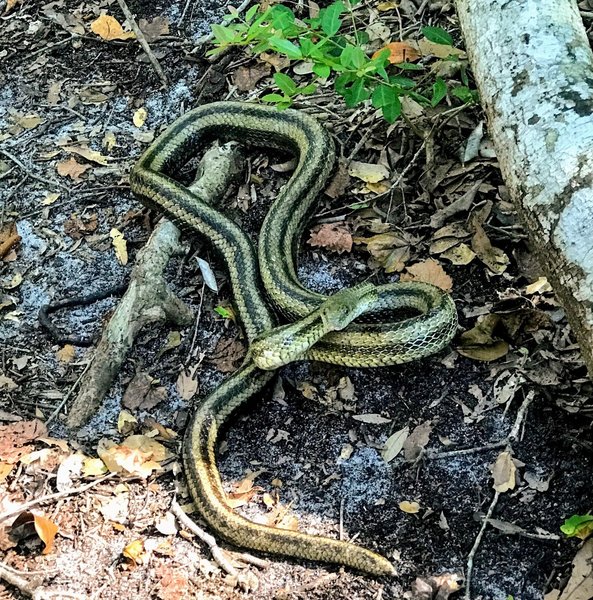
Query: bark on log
point(534, 70)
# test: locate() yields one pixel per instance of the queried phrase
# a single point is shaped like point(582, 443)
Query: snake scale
point(318, 326)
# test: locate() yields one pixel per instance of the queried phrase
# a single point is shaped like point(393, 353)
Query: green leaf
point(285, 47)
point(439, 91)
point(580, 526)
point(406, 66)
point(403, 82)
point(356, 93)
point(330, 19)
point(353, 57)
point(392, 111)
point(223, 35)
point(273, 98)
point(437, 35)
point(225, 313)
point(322, 71)
point(382, 95)
point(282, 17)
point(466, 95)
point(285, 83)
point(251, 13)
point(308, 89)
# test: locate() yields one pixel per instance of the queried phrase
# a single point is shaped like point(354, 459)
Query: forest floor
point(76, 112)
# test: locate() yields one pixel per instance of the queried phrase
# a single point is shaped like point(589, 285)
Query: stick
point(151, 57)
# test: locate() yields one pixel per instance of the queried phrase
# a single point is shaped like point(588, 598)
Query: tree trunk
point(534, 70)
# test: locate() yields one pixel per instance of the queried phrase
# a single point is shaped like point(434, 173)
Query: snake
point(350, 328)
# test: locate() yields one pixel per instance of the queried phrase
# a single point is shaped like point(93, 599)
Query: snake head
point(338, 311)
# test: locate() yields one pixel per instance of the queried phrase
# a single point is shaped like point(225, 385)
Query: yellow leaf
point(409, 507)
point(135, 551)
point(109, 141)
point(503, 472)
point(429, 48)
point(108, 28)
point(540, 286)
point(139, 117)
point(119, 245)
point(369, 172)
point(428, 271)
point(93, 467)
point(5, 469)
point(50, 198)
point(126, 422)
point(66, 354)
point(87, 153)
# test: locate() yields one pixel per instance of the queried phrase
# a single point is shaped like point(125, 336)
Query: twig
point(144, 43)
point(30, 173)
point(65, 399)
point(217, 552)
point(18, 580)
point(50, 497)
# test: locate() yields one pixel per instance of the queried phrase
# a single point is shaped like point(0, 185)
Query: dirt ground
point(311, 452)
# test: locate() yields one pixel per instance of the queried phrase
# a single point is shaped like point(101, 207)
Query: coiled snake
point(321, 330)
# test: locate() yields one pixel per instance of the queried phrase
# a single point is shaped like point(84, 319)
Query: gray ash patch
point(366, 479)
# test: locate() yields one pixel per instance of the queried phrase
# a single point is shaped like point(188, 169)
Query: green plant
point(580, 526)
point(334, 48)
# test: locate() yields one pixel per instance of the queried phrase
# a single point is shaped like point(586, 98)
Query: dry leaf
point(120, 246)
point(134, 551)
point(480, 343)
point(71, 168)
point(428, 48)
point(494, 258)
point(7, 384)
point(93, 467)
point(428, 271)
point(580, 584)
point(167, 525)
point(134, 456)
point(87, 153)
point(417, 440)
point(155, 28)
point(108, 28)
point(504, 472)
point(9, 237)
point(373, 418)
point(126, 422)
point(394, 444)
point(28, 121)
point(335, 238)
point(399, 52)
point(140, 117)
point(390, 250)
point(339, 182)
point(246, 77)
point(461, 254)
point(66, 354)
point(409, 507)
point(50, 198)
point(541, 286)
point(369, 172)
point(28, 524)
point(143, 393)
point(187, 383)
point(15, 437)
point(227, 355)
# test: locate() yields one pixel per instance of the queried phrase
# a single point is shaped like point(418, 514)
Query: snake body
point(316, 333)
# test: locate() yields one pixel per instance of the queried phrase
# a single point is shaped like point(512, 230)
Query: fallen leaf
point(143, 393)
point(336, 238)
point(428, 271)
point(227, 355)
point(504, 473)
point(174, 583)
point(394, 444)
point(247, 76)
point(187, 383)
point(93, 467)
point(399, 52)
point(126, 422)
point(373, 418)
point(155, 28)
point(28, 121)
point(459, 255)
point(139, 117)
point(136, 460)
point(167, 525)
point(15, 437)
point(417, 440)
point(134, 551)
point(409, 507)
point(120, 246)
point(77, 227)
point(428, 48)
point(494, 258)
point(339, 182)
point(390, 250)
point(108, 28)
point(50, 198)
point(481, 343)
point(28, 524)
point(7, 384)
point(71, 168)
point(9, 237)
point(540, 286)
point(66, 354)
point(87, 153)
point(369, 172)
point(580, 584)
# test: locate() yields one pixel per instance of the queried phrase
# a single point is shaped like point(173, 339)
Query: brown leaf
point(9, 237)
point(187, 383)
point(142, 393)
point(390, 250)
point(108, 28)
point(494, 258)
point(504, 472)
point(173, 584)
point(278, 61)
point(399, 52)
point(71, 168)
point(87, 153)
point(368, 172)
point(154, 28)
point(227, 355)
point(76, 227)
point(66, 354)
point(481, 343)
point(247, 76)
point(417, 440)
point(428, 271)
point(28, 524)
point(14, 439)
point(336, 238)
point(580, 584)
point(339, 182)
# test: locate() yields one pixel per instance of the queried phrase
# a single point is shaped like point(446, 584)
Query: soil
point(318, 463)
